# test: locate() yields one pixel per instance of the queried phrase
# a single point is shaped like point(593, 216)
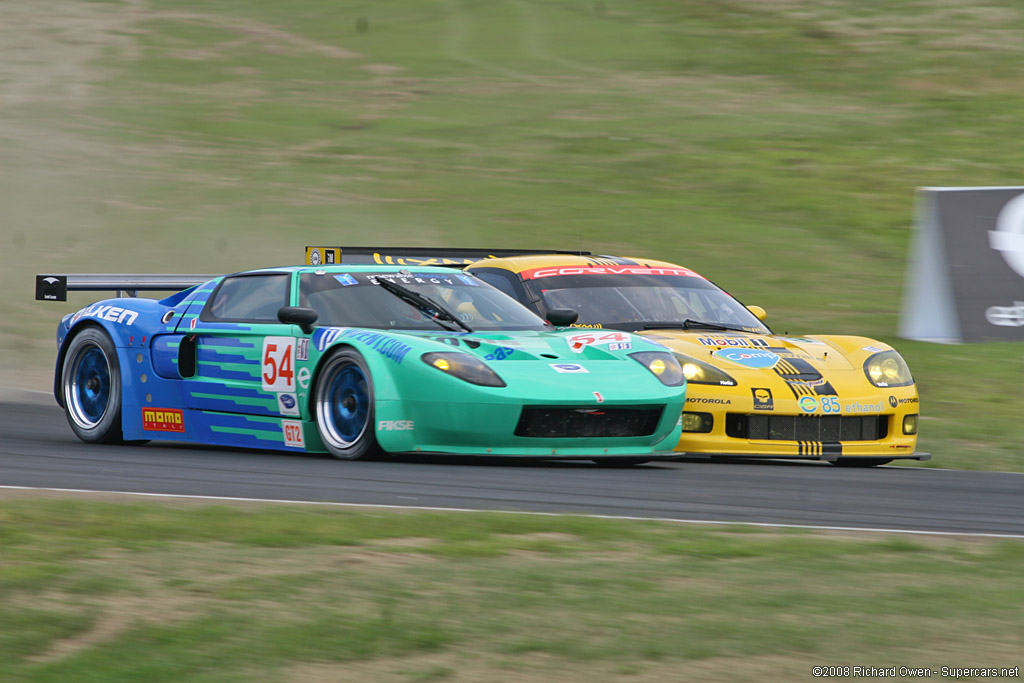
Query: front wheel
point(91, 387)
point(861, 462)
point(344, 406)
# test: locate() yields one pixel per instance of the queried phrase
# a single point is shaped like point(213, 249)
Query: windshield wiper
point(690, 324)
point(424, 304)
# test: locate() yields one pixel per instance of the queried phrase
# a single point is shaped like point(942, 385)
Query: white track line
point(812, 527)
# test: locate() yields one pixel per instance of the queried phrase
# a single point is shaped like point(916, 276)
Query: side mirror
point(298, 315)
point(758, 312)
point(562, 317)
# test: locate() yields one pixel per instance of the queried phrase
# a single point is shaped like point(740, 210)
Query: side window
point(248, 298)
point(500, 280)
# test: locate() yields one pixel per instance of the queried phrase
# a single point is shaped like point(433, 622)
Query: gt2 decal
point(743, 342)
point(163, 420)
point(114, 314)
point(292, 430)
point(614, 340)
point(758, 360)
point(278, 371)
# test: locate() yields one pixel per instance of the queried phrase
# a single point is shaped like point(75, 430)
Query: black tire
point(620, 462)
point(91, 387)
point(344, 406)
point(861, 462)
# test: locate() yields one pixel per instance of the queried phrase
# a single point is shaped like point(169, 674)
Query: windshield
point(356, 300)
point(637, 301)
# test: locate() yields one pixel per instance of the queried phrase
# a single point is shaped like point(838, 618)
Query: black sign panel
point(52, 287)
point(983, 235)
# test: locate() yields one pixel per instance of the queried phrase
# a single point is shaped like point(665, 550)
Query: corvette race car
point(354, 360)
point(844, 399)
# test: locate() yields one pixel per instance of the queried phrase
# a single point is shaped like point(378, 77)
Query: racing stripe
point(803, 379)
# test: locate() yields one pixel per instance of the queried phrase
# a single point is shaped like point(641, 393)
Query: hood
point(745, 355)
point(569, 346)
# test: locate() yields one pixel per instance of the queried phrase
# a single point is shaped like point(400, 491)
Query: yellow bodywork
point(812, 388)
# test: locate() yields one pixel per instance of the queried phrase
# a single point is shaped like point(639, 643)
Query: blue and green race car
point(356, 361)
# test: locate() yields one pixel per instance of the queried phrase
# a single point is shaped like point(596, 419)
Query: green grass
point(100, 591)
point(773, 146)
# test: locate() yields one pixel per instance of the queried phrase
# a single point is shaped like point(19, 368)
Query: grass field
point(120, 591)
point(775, 146)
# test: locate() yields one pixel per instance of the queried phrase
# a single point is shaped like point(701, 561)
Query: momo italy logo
point(163, 420)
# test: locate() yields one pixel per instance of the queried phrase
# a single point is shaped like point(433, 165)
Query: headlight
point(699, 372)
point(663, 365)
point(464, 366)
point(887, 369)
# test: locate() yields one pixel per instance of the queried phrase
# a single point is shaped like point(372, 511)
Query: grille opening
point(554, 422)
point(761, 427)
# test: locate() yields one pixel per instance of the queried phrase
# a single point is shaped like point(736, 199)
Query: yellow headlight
point(441, 364)
point(657, 366)
point(691, 370)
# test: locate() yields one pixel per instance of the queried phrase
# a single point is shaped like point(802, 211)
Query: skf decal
point(292, 430)
point(742, 342)
point(395, 425)
point(763, 399)
point(568, 367)
point(163, 420)
point(534, 273)
point(114, 314)
point(758, 360)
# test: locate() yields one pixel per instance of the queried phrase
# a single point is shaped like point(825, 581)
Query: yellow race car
point(751, 393)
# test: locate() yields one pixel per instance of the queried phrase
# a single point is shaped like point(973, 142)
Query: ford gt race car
point(845, 399)
point(355, 360)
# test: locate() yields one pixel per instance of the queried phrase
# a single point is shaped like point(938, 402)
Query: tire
point(91, 387)
point(620, 462)
point(344, 407)
point(861, 462)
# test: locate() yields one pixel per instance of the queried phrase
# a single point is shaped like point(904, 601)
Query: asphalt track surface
point(38, 449)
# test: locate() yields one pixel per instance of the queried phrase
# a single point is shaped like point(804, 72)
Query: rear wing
point(456, 257)
point(56, 287)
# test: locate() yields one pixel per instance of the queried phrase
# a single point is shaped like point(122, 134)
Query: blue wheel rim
point(348, 398)
point(90, 388)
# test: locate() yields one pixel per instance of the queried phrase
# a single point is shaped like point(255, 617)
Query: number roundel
point(278, 371)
